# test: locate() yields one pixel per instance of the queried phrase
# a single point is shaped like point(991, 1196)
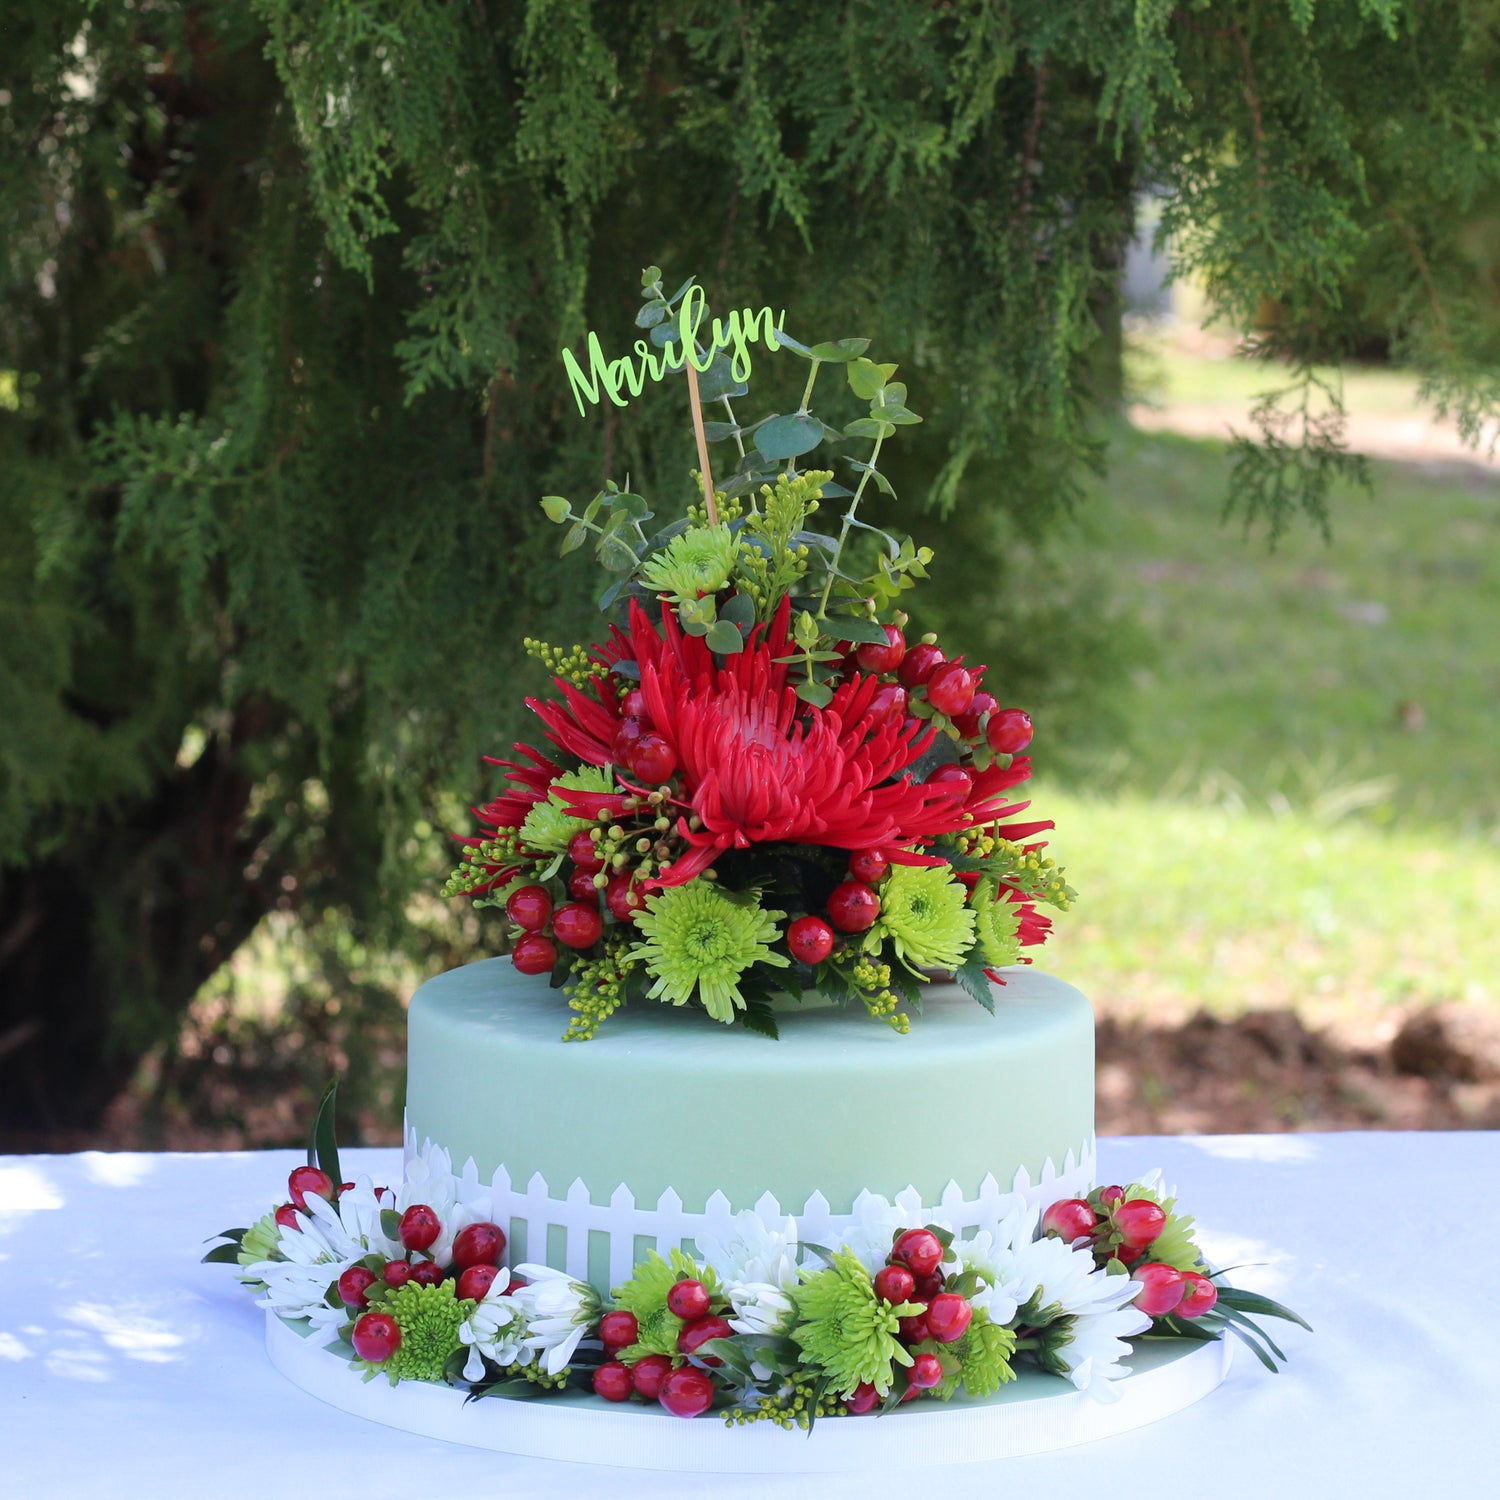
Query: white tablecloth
point(128, 1369)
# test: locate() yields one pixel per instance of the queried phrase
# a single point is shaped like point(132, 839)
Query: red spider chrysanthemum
point(530, 784)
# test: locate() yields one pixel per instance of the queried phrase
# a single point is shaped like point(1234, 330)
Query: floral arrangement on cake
point(413, 1283)
point(757, 784)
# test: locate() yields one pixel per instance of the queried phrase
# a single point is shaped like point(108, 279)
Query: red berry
point(623, 897)
point(305, 1180)
point(627, 737)
point(583, 850)
point(809, 940)
point(914, 1330)
point(530, 907)
point(1009, 731)
point(687, 1392)
point(475, 1283)
point(960, 776)
point(1139, 1222)
point(653, 760)
point(1069, 1220)
point(948, 1317)
point(1198, 1295)
point(612, 1381)
point(919, 663)
point(929, 1286)
point(581, 887)
point(1128, 1255)
point(888, 701)
point(288, 1218)
point(895, 1283)
point(968, 722)
point(699, 1332)
point(1161, 1290)
point(478, 1245)
point(884, 658)
point(853, 906)
point(1109, 1196)
point(534, 954)
point(863, 1398)
point(869, 865)
point(920, 1249)
point(427, 1273)
point(925, 1372)
point(647, 1375)
point(420, 1227)
point(618, 1330)
point(577, 925)
point(376, 1337)
point(950, 689)
point(353, 1285)
point(397, 1272)
point(687, 1300)
point(633, 705)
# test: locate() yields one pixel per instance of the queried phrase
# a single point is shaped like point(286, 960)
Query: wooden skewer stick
point(708, 478)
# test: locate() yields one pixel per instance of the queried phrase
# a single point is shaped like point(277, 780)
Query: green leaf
point(819, 694)
point(650, 276)
point(718, 381)
point(1252, 1302)
point(615, 555)
point(973, 981)
point(322, 1145)
point(868, 427)
point(852, 628)
point(840, 351)
point(716, 432)
point(697, 615)
point(577, 535)
point(866, 378)
point(557, 508)
point(738, 609)
point(724, 638)
point(650, 315)
point(897, 414)
point(390, 1223)
point(788, 437)
point(664, 334)
point(786, 341)
point(223, 1255)
point(758, 1017)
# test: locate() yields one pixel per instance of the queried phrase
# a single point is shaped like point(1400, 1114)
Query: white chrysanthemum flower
point(349, 1226)
point(1088, 1349)
point(296, 1289)
point(1053, 1281)
point(876, 1223)
point(559, 1312)
point(496, 1329)
point(760, 1307)
point(753, 1251)
point(457, 1200)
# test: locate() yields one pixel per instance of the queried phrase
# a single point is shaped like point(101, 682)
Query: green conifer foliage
point(282, 290)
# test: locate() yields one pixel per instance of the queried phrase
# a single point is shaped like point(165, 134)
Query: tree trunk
point(104, 944)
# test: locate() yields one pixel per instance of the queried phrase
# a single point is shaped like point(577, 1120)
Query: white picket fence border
point(669, 1225)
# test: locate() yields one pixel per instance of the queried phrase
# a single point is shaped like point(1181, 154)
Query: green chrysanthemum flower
point(645, 1295)
point(261, 1242)
point(697, 562)
point(983, 1353)
point(550, 824)
point(997, 926)
point(700, 937)
point(847, 1329)
point(429, 1319)
point(923, 913)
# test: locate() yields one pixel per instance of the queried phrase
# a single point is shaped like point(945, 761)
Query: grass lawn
point(1308, 814)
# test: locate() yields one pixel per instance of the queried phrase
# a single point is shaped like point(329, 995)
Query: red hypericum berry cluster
point(305, 1180)
point(1116, 1227)
point(913, 1276)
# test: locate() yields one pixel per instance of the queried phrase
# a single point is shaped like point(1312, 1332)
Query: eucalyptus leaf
point(577, 535)
point(724, 638)
point(615, 555)
point(897, 414)
point(718, 381)
point(650, 276)
point(819, 694)
point(738, 609)
point(851, 628)
point(786, 341)
point(865, 378)
point(839, 351)
point(868, 427)
point(664, 334)
point(650, 315)
point(716, 432)
point(789, 436)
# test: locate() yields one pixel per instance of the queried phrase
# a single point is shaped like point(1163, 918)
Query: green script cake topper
point(678, 342)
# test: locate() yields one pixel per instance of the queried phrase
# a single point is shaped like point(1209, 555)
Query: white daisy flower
point(457, 1200)
point(1088, 1348)
point(760, 1307)
point(876, 1223)
point(296, 1289)
point(496, 1329)
point(559, 1312)
point(753, 1251)
point(349, 1226)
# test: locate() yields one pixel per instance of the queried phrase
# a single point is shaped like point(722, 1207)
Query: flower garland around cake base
point(412, 1283)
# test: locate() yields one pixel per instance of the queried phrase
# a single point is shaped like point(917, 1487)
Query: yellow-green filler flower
point(700, 937)
point(924, 915)
point(697, 562)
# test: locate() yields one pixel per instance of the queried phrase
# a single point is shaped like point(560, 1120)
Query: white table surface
point(129, 1369)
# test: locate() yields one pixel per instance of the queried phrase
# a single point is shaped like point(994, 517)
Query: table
point(129, 1369)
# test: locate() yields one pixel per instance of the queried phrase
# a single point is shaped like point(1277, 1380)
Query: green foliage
point(282, 289)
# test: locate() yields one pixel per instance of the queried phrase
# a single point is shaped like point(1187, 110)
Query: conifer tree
point(282, 290)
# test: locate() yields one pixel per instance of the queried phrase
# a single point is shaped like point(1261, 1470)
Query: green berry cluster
point(573, 664)
point(1034, 875)
point(872, 983)
point(596, 990)
point(646, 845)
point(796, 1406)
point(480, 863)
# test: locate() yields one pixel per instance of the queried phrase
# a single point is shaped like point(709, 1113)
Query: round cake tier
point(599, 1148)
